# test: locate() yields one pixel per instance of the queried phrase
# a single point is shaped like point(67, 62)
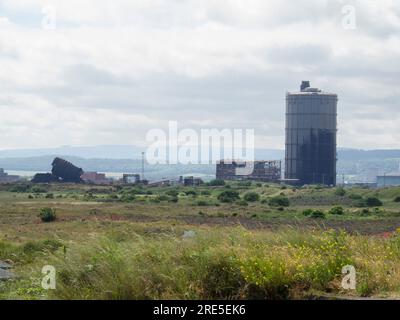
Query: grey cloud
point(304, 55)
point(89, 75)
point(237, 93)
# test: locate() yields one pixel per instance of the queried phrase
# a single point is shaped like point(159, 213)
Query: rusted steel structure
point(264, 171)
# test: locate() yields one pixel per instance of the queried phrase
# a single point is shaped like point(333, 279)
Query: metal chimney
point(304, 85)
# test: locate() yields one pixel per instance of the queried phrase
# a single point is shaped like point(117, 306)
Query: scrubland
point(236, 241)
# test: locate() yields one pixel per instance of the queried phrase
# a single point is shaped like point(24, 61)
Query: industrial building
point(162, 183)
point(62, 171)
point(265, 171)
point(191, 181)
point(311, 130)
point(95, 178)
point(389, 180)
point(6, 178)
point(129, 178)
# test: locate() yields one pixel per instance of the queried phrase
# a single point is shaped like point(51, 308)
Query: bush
point(162, 197)
point(20, 188)
point(173, 199)
point(47, 214)
point(217, 183)
point(338, 210)
point(127, 197)
point(373, 202)
point(205, 193)
point(49, 196)
point(202, 203)
point(279, 201)
point(37, 189)
point(191, 193)
point(251, 197)
point(88, 196)
point(228, 196)
point(340, 192)
point(244, 183)
point(365, 212)
point(308, 212)
point(378, 210)
point(355, 196)
point(132, 191)
point(360, 203)
point(317, 214)
point(172, 193)
point(110, 198)
point(397, 199)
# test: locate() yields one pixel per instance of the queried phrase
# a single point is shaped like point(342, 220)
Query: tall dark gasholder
point(311, 130)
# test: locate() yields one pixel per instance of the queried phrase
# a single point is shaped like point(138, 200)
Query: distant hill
point(134, 152)
point(102, 151)
point(152, 172)
point(357, 155)
point(362, 165)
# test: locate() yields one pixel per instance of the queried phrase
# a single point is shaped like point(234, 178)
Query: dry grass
point(135, 250)
point(218, 263)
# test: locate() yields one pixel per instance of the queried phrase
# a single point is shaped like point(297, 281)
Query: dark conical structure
point(66, 171)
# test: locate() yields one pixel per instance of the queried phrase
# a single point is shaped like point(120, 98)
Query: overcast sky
point(109, 71)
